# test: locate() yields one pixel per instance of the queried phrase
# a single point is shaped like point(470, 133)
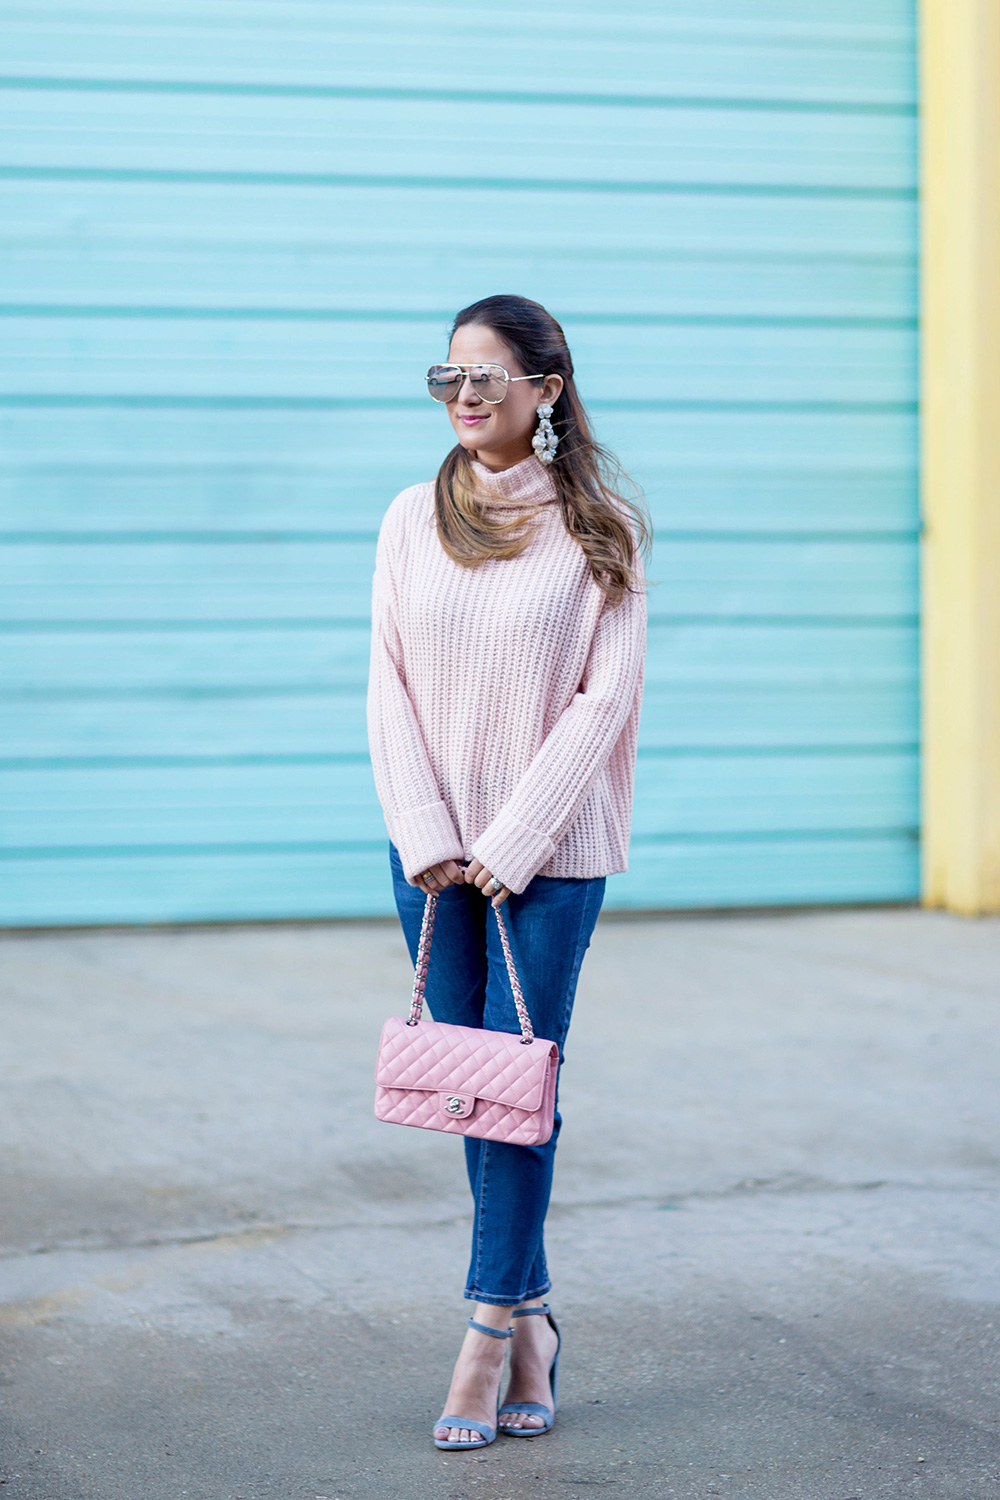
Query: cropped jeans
point(550, 925)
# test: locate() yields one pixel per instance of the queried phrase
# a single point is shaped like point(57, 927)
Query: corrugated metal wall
point(233, 234)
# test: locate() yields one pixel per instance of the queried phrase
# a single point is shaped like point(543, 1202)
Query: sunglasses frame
point(464, 370)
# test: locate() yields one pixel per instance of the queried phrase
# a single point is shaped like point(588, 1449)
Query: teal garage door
point(232, 237)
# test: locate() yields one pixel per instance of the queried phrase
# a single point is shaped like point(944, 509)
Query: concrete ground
point(774, 1236)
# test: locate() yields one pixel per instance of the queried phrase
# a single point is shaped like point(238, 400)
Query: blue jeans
point(550, 925)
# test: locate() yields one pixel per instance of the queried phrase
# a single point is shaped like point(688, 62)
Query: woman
point(506, 679)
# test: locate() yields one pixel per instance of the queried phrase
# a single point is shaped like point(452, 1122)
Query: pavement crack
point(259, 1233)
point(787, 1185)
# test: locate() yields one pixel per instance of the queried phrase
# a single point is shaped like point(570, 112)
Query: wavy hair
point(611, 526)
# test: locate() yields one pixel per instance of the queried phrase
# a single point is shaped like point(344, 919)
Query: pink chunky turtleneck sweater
point(503, 701)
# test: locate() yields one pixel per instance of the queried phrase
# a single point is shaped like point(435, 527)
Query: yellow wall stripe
point(960, 94)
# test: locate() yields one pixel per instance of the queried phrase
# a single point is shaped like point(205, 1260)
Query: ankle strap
point(494, 1333)
point(528, 1312)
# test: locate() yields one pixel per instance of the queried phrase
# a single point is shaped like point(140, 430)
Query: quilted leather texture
point(421, 1068)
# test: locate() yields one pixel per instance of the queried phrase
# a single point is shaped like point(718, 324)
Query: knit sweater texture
point(503, 699)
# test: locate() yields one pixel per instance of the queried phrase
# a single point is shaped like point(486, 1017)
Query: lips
point(472, 421)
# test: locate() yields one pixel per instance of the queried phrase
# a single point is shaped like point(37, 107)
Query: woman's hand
point(477, 874)
point(443, 875)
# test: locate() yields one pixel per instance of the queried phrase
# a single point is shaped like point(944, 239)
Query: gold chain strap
point(423, 956)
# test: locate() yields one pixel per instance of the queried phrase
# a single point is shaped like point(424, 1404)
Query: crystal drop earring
point(544, 441)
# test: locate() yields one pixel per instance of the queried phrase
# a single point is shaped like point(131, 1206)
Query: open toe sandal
point(487, 1434)
point(535, 1408)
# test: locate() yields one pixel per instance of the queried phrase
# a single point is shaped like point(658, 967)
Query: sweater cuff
point(512, 851)
point(424, 836)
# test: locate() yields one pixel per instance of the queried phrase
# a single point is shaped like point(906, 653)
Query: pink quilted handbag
point(459, 1079)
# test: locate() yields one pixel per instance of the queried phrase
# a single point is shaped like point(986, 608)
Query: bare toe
point(522, 1419)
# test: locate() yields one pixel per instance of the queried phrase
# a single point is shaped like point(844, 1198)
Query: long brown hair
point(609, 525)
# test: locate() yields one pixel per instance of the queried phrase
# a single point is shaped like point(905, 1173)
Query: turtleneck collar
point(526, 483)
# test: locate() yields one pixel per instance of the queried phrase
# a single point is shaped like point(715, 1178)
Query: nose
point(467, 394)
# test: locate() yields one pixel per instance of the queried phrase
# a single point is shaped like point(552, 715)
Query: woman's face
point(498, 436)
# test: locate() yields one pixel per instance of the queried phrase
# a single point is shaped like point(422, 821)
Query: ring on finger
point(430, 877)
point(493, 885)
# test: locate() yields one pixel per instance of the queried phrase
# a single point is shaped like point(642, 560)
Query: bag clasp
point(459, 1106)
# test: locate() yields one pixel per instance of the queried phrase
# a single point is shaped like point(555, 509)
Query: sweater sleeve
point(524, 834)
point(416, 817)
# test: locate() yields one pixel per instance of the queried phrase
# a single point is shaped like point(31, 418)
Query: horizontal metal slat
point(303, 223)
point(402, 138)
point(324, 581)
point(132, 663)
point(187, 727)
point(779, 792)
point(370, 362)
point(194, 886)
point(734, 716)
point(322, 283)
point(202, 805)
point(825, 53)
point(805, 653)
point(755, 577)
point(192, 806)
point(178, 582)
point(282, 471)
point(768, 872)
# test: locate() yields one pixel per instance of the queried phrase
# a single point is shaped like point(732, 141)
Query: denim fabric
point(550, 926)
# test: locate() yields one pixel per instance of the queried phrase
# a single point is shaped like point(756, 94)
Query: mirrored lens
point(444, 382)
point(488, 381)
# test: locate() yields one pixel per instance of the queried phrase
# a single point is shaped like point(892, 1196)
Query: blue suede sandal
point(488, 1434)
point(535, 1408)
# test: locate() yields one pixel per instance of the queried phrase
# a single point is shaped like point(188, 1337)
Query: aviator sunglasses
point(489, 382)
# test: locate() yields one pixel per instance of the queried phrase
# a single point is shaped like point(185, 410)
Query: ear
point(549, 393)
